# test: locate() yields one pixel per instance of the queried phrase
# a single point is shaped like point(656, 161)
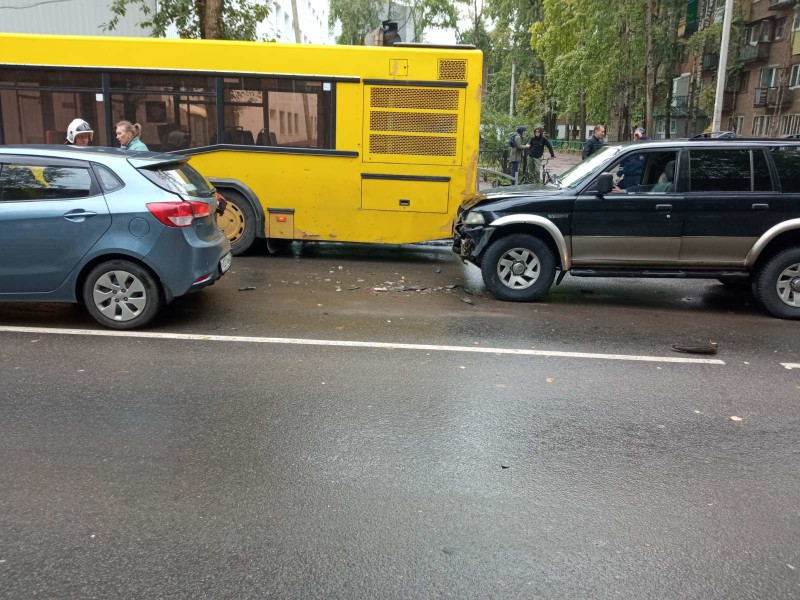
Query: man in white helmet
point(79, 133)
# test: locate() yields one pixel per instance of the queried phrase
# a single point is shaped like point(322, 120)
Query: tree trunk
point(650, 71)
point(212, 20)
point(582, 115)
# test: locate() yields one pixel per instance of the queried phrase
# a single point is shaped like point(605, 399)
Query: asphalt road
point(319, 437)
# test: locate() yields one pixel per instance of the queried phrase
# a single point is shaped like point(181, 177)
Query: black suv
point(726, 209)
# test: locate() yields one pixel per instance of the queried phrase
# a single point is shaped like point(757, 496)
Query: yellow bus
point(324, 143)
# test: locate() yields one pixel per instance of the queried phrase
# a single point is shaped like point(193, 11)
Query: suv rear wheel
point(518, 268)
point(777, 284)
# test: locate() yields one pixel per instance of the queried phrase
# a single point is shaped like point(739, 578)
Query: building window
point(794, 78)
point(768, 77)
point(766, 31)
point(761, 125)
point(790, 124)
point(736, 124)
point(780, 26)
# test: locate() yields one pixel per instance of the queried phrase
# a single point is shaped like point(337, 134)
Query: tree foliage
point(356, 17)
point(207, 19)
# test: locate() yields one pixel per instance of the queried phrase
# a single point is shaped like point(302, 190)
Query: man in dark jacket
point(595, 141)
point(518, 148)
point(535, 152)
point(630, 170)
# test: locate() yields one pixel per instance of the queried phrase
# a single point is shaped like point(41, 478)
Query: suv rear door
point(729, 198)
point(51, 214)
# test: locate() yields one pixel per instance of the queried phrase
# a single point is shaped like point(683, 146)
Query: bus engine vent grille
point(414, 98)
point(453, 70)
point(413, 122)
point(417, 145)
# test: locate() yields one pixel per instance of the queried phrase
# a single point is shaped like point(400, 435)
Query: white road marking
point(791, 365)
point(355, 344)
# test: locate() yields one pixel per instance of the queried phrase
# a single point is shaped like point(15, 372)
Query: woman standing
point(128, 136)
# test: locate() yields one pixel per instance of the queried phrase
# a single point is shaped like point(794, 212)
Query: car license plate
point(225, 263)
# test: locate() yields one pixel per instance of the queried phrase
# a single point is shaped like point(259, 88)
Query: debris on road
point(735, 418)
point(248, 288)
point(710, 348)
point(468, 300)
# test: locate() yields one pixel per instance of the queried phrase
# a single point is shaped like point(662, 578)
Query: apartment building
point(762, 98)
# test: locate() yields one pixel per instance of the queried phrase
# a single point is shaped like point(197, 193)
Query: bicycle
point(547, 176)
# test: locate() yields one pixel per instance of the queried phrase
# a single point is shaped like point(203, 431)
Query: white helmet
point(78, 126)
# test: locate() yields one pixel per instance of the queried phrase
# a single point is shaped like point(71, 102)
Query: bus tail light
point(178, 214)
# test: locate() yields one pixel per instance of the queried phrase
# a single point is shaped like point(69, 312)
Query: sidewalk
point(562, 162)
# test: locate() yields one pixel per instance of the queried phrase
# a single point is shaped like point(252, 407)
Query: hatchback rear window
point(179, 178)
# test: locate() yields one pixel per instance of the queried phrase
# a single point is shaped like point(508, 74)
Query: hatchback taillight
point(178, 214)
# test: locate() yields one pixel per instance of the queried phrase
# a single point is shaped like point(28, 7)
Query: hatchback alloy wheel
point(122, 294)
point(119, 295)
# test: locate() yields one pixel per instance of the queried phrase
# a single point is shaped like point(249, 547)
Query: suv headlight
point(474, 218)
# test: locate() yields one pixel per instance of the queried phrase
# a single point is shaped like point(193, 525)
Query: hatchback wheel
point(777, 284)
point(120, 294)
point(518, 268)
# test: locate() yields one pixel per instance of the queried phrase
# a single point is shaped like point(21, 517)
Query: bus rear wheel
point(238, 222)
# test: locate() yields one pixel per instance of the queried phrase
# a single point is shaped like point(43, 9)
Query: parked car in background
point(123, 233)
point(724, 208)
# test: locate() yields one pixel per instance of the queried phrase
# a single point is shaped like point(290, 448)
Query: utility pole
point(513, 85)
point(723, 66)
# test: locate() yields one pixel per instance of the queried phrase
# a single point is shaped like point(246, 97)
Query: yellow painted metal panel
point(281, 226)
point(405, 196)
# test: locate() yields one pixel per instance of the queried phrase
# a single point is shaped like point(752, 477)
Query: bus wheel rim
point(231, 222)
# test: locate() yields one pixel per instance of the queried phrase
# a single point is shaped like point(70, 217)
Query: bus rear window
point(179, 178)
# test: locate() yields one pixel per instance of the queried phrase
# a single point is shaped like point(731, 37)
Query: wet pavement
point(172, 467)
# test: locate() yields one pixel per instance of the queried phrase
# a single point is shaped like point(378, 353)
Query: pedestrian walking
point(128, 136)
point(594, 142)
point(536, 147)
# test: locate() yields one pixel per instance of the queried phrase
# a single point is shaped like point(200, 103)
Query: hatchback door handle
point(79, 214)
point(663, 206)
point(760, 206)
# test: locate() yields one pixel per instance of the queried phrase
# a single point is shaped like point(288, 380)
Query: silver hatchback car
point(123, 233)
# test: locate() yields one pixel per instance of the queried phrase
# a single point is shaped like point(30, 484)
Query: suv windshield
point(588, 168)
point(179, 178)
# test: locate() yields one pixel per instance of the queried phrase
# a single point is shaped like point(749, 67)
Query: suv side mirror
point(605, 183)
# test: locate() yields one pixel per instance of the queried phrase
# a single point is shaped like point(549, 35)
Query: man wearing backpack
point(517, 151)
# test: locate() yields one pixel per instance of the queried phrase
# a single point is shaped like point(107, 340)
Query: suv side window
point(42, 182)
point(646, 172)
point(762, 182)
point(787, 162)
point(724, 170)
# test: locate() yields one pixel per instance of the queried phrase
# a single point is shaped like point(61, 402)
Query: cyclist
point(535, 152)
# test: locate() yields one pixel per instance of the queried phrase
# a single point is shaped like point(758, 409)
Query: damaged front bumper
point(469, 242)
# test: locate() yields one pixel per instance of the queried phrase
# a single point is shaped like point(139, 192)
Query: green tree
point(206, 19)
point(357, 17)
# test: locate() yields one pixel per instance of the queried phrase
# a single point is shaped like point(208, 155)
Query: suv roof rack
point(715, 135)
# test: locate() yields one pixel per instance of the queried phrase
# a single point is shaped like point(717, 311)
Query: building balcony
point(780, 4)
point(768, 97)
point(750, 52)
point(710, 61)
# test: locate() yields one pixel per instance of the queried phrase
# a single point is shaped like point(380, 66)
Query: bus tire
point(238, 222)
point(518, 268)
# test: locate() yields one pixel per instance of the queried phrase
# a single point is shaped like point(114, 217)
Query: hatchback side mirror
point(605, 183)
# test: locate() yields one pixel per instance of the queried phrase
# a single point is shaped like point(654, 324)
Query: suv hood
point(533, 192)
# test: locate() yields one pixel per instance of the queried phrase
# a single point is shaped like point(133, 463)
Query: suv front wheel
point(518, 268)
point(777, 284)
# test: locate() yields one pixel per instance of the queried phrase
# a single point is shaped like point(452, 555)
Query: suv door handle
point(663, 206)
point(79, 215)
point(760, 207)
